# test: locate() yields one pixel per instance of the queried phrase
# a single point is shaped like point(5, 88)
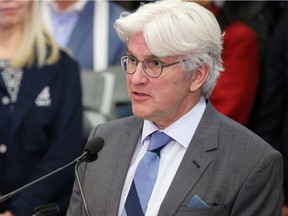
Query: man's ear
point(198, 77)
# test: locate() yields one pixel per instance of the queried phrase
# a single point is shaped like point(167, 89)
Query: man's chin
point(141, 112)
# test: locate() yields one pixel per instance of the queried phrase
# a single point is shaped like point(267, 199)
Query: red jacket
point(235, 91)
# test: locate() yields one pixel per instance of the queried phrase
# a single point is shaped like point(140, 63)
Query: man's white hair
point(176, 28)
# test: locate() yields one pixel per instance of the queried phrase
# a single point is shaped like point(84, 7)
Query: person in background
point(262, 17)
point(207, 163)
point(40, 111)
point(271, 120)
point(86, 29)
point(235, 92)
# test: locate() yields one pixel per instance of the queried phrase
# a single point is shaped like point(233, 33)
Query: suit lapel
point(127, 143)
point(82, 29)
point(34, 80)
point(195, 162)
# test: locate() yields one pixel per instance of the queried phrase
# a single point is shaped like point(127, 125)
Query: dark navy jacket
point(271, 118)
point(42, 132)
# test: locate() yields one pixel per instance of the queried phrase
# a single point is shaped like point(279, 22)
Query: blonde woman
point(40, 111)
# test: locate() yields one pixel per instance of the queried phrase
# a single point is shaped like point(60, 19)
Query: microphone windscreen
point(92, 148)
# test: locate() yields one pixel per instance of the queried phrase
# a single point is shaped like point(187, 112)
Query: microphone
point(47, 209)
point(90, 154)
point(91, 149)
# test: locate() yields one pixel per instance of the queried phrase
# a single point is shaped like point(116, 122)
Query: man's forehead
point(137, 38)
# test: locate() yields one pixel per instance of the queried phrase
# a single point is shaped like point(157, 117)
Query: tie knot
point(158, 141)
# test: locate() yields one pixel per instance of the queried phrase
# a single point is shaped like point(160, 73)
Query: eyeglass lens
point(151, 67)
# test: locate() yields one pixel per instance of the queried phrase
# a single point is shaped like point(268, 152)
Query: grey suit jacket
point(230, 168)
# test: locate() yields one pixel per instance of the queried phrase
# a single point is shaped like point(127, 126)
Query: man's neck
point(63, 5)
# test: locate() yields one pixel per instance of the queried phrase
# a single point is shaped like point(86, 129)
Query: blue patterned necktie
point(145, 177)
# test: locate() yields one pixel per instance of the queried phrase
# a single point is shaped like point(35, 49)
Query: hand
point(7, 213)
point(284, 210)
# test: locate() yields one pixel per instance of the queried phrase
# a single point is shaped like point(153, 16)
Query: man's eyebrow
point(147, 57)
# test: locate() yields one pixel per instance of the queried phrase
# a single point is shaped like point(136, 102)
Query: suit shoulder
point(121, 123)
point(67, 62)
point(242, 136)
point(66, 55)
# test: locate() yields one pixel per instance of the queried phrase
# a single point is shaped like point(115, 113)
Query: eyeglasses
point(152, 67)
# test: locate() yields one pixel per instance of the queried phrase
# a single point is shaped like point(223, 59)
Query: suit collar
point(196, 160)
point(208, 129)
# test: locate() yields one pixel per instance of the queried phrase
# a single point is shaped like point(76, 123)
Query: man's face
point(164, 99)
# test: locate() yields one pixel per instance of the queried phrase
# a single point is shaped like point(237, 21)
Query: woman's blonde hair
point(37, 44)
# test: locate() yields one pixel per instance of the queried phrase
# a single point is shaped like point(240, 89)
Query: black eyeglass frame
point(143, 65)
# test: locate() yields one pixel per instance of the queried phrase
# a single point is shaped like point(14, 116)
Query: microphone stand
point(15, 192)
point(81, 190)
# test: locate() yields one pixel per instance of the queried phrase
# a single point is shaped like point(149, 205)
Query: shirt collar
point(183, 129)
